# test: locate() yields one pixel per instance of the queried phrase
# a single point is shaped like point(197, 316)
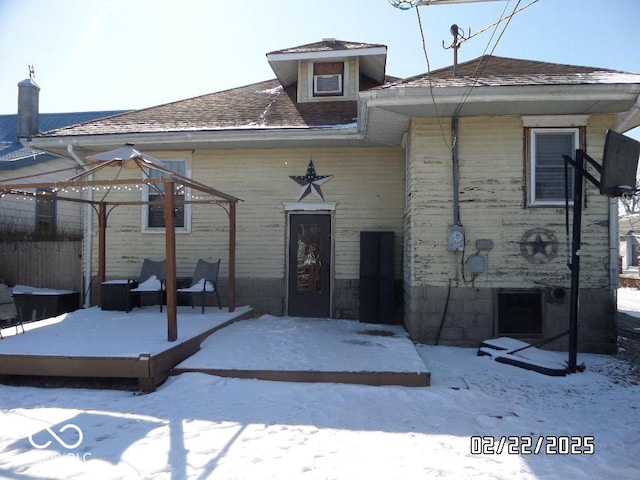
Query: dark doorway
point(310, 265)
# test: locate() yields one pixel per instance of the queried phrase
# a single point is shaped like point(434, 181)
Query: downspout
point(88, 237)
point(456, 170)
point(613, 244)
point(455, 167)
point(623, 124)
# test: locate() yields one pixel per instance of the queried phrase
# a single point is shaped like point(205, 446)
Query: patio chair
point(152, 280)
point(205, 280)
point(8, 312)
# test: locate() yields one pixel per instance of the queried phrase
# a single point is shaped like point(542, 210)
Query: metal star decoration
point(539, 245)
point(311, 182)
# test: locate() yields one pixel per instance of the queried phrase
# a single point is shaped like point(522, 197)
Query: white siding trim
point(555, 120)
point(309, 207)
point(326, 55)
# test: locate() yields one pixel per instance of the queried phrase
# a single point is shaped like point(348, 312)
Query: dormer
point(330, 70)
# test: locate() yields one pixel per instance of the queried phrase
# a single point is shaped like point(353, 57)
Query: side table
point(115, 294)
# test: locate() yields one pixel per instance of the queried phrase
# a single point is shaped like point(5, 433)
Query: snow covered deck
point(97, 343)
point(311, 350)
point(113, 344)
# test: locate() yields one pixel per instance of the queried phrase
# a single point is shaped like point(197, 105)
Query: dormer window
point(330, 70)
point(328, 79)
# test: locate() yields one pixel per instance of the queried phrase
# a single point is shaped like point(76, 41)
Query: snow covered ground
point(585, 425)
point(629, 301)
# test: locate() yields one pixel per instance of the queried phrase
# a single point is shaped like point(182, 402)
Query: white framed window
point(546, 147)
point(153, 215)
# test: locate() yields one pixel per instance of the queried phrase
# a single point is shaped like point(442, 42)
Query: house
point(41, 218)
point(46, 217)
point(463, 166)
point(629, 242)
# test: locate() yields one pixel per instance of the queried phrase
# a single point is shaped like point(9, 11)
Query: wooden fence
point(47, 264)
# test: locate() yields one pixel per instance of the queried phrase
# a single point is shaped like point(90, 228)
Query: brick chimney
point(28, 109)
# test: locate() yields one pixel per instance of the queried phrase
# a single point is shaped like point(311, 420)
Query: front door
point(310, 265)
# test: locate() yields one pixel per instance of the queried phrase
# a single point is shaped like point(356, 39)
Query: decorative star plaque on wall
point(311, 182)
point(539, 245)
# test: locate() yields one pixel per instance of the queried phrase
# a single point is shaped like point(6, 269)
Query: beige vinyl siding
point(407, 237)
point(353, 80)
point(367, 187)
point(303, 81)
point(492, 206)
point(430, 205)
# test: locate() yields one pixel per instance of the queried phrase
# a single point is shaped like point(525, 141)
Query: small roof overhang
point(373, 62)
point(387, 112)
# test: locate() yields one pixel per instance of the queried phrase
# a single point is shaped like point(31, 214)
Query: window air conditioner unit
point(327, 83)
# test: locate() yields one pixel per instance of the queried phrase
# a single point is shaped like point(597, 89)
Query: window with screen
point(547, 185)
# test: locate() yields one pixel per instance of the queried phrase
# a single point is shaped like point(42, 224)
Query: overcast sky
point(128, 54)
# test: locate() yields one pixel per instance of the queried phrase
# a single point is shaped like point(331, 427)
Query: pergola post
point(231, 290)
point(102, 248)
point(170, 241)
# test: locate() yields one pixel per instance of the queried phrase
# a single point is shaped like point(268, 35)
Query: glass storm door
point(310, 265)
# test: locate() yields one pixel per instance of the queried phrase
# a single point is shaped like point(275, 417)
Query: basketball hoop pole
point(617, 174)
point(578, 181)
point(575, 260)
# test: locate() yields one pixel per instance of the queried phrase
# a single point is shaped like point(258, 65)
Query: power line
point(433, 100)
point(482, 65)
point(479, 68)
point(502, 19)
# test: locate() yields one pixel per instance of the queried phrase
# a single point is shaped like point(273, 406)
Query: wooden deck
point(150, 369)
point(403, 379)
point(84, 353)
point(312, 350)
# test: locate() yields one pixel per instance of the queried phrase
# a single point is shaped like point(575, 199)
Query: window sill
point(162, 231)
point(549, 205)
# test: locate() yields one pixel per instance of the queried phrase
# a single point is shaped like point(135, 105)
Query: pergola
point(130, 158)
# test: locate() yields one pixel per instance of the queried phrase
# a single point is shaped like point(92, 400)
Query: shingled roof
point(263, 105)
point(490, 70)
point(327, 45)
point(268, 105)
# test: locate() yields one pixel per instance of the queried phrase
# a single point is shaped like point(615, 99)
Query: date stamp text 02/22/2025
point(533, 445)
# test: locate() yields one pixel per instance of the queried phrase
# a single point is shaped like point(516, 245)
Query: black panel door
point(376, 277)
point(310, 265)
